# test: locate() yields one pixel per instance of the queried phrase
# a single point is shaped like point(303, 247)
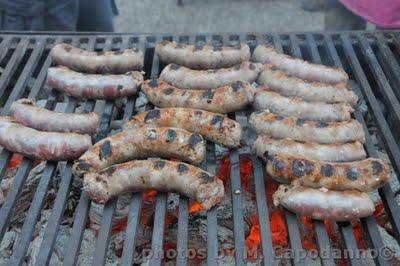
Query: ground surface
point(201, 16)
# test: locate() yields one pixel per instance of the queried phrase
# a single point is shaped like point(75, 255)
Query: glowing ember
point(253, 240)
point(14, 162)
point(245, 166)
point(149, 195)
point(270, 188)
point(195, 207)
point(307, 238)
point(120, 225)
point(278, 229)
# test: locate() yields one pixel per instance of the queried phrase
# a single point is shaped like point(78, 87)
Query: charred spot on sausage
point(198, 113)
point(376, 168)
point(159, 164)
point(118, 52)
point(300, 122)
point(153, 83)
point(352, 174)
point(321, 124)
point(171, 135)
point(327, 170)
point(110, 170)
point(237, 86)
point(194, 140)
point(84, 166)
point(279, 117)
point(181, 168)
point(105, 150)
point(278, 165)
point(300, 168)
point(198, 47)
point(174, 66)
point(153, 114)
point(208, 94)
point(217, 119)
point(206, 177)
point(169, 91)
point(120, 87)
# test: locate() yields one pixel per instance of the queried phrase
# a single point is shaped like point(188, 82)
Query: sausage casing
point(185, 78)
point(365, 175)
point(287, 85)
point(214, 127)
point(26, 113)
point(337, 152)
point(34, 144)
point(161, 175)
point(116, 62)
point(142, 143)
point(202, 56)
point(265, 122)
point(94, 86)
point(323, 204)
point(294, 106)
point(224, 99)
point(297, 67)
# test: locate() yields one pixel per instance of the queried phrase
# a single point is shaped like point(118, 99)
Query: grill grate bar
point(212, 234)
point(4, 46)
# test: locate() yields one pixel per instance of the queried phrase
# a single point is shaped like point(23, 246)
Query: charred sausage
point(338, 152)
point(224, 99)
point(94, 86)
point(25, 112)
point(265, 122)
point(142, 143)
point(202, 56)
point(294, 106)
point(185, 78)
point(161, 175)
point(299, 68)
point(214, 127)
point(323, 204)
point(118, 62)
point(34, 144)
point(365, 175)
point(286, 85)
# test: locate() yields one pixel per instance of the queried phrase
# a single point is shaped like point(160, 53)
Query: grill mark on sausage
point(174, 66)
point(182, 168)
point(159, 164)
point(352, 174)
point(208, 94)
point(105, 150)
point(152, 115)
point(83, 165)
point(377, 168)
point(327, 170)
point(299, 122)
point(110, 170)
point(217, 119)
point(171, 135)
point(153, 83)
point(194, 140)
point(278, 165)
point(237, 86)
point(169, 91)
point(321, 124)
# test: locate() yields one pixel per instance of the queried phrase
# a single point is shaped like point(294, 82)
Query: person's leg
point(337, 17)
point(96, 15)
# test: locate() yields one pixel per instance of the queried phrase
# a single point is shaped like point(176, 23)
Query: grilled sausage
point(294, 106)
point(94, 86)
point(25, 112)
point(265, 122)
point(299, 68)
point(161, 175)
point(186, 78)
point(224, 99)
point(117, 62)
point(323, 204)
point(50, 146)
point(286, 85)
point(323, 152)
point(365, 175)
point(214, 127)
point(202, 56)
point(142, 143)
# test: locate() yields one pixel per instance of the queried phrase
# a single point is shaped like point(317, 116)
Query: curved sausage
point(323, 204)
point(94, 86)
point(34, 144)
point(26, 113)
point(365, 175)
point(161, 175)
point(224, 99)
point(186, 78)
point(299, 68)
point(287, 85)
point(265, 122)
point(116, 62)
point(214, 127)
point(142, 143)
point(311, 150)
point(294, 106)
point(202, 56)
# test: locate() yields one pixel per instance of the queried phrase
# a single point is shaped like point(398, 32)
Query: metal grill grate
point(371, 59)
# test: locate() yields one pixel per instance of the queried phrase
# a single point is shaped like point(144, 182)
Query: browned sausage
point(162, 175)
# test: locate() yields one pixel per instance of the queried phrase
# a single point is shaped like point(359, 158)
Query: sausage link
point(224, 99)
point(202, 56)
point(142, 143)
point(365, 175)
point(323, 204)
point(214, 127)
point(299, 68)
point(286, 85)
point(185, 78)
point(34, 144)
point(94, 86)
point(265, 122)
point(161, 175)
point(311, 150)
point(25, 112)
point(115, 62)
point(294, 106)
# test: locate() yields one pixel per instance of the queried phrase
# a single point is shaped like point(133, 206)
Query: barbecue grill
point(370, 58)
